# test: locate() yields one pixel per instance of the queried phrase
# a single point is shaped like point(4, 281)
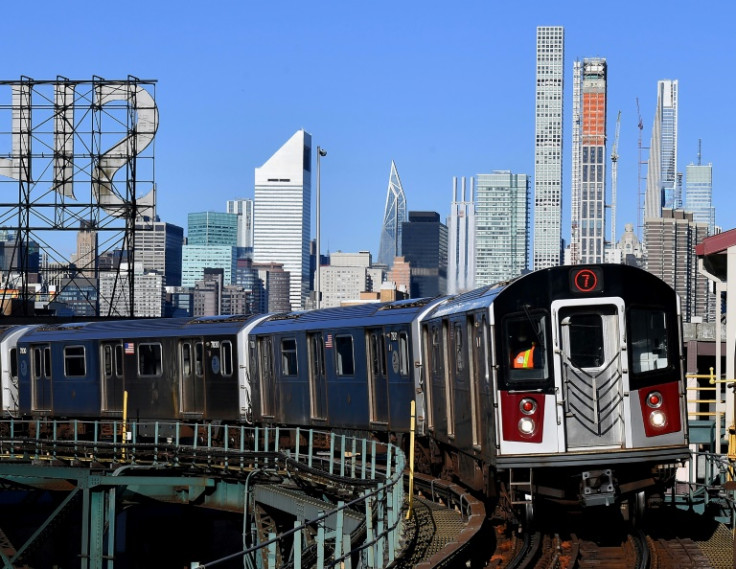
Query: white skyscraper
point(662, 188)
point(244, 209)
point(548, 147)
point(461, 240)
point(281, 213)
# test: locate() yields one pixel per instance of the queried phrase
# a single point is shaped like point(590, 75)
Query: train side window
point(14, 364)
point(226, 355)
point(403, 354)
point(526, 341)
point(435, 350)
point(344, 355)
point(47, 361)
point(150, 363)
point(459, 353)
point(186, 359)
point(107, 360)
point(119, 360)
point(199, 359)
point(648, 338)
point(74, 365)
point(288, 356)
point(37, 363)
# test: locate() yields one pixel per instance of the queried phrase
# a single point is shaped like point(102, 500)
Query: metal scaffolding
point(76, 156)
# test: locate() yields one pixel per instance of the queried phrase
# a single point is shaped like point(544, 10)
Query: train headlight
point(654, 399)
point(657, 419)
point(527, 406)
point(527, 426)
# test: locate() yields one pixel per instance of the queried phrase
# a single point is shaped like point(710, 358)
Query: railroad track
point(601, 543)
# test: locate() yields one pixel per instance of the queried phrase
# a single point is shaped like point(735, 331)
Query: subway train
point(562, 385)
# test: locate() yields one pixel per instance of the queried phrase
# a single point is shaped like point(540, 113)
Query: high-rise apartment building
point(548, 146)
point(393, 217)
point(588, 216)
point(424, 243)
point(501, 226)
point(243, 208)
point(671, 240)
point(699, 194)
point(158, 248)
point(281, 213)
point(662, 188)
point(461, 239)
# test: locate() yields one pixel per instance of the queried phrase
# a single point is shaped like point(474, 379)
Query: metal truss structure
point(75, 155)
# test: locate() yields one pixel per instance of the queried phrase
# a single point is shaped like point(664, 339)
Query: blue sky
point(442, 88)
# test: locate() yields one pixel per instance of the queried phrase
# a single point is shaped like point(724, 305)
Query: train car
point(347, 368)
point(565, 384)
point(9, 367)
point(188, 369)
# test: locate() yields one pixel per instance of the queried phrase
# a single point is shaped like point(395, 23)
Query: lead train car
point(595, 416)
point(172, 369)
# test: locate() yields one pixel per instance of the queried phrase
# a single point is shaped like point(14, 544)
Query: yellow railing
point(716, 414)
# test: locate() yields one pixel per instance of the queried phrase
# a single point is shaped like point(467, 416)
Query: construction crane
point(642, 199)
point(614, 179)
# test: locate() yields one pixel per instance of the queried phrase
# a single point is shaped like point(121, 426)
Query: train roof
point(368, 314)
point(156, 327)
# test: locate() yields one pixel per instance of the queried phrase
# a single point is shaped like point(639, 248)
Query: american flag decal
point(129, 348)
point(328, 342)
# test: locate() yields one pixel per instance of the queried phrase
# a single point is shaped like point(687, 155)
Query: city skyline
point(442, 98)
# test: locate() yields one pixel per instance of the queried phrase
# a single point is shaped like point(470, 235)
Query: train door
point(317, 377)
point(479, 371)
point(191, 384)
point(591, 361)
point(42, 396)
point(377, 376)
point(432, 361)
point(112, 376)
point(266, 378)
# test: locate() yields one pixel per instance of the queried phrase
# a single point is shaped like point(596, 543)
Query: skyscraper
point(662, 187)
point(589, 191)
point(212, 228)
point(394, 215)
point(281, 213)
point(158, 247)
point(211, 239)
point(461, 240)
point(502, 226)
point(548, 147)
point(424, 246)
point(243, 208)
point(699, 194)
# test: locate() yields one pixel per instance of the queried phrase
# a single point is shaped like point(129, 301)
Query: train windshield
point(526, 340)
point(648, 336)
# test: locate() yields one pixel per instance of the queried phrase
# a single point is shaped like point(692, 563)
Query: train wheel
point(633, 509)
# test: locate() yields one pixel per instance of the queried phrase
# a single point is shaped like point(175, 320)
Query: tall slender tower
point(281, 213)
point(461, 239)
point(662, 187)
point(548, 147)
point(394, 215)
point(590, 193)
